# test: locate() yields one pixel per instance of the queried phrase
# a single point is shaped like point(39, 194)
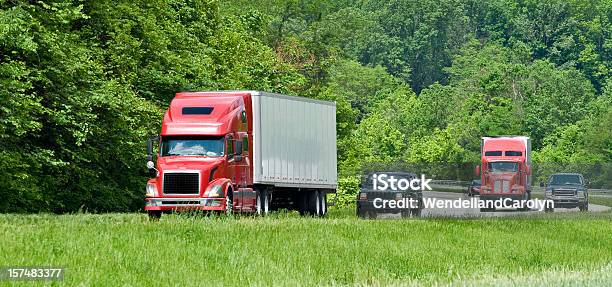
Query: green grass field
point(285, 249)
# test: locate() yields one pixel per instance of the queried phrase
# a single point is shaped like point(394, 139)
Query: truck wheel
point(313, 203)
point(416, 212)
point(302, 202)
point(323, 199)
point(263, 202)
point(229, 205)
point(154, 215)
point(549, 209)
point(584, 207)
point(526, 197)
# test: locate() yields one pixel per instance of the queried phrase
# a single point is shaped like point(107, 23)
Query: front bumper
point(501, 196)
point(167, 204)
point(567, 201)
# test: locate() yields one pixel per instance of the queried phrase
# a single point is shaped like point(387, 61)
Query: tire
point(314, 203)
point(263, 202)
point(584, 207)
point(527, 196)
point(406, 214)
point(229, 204)
point(302, 202)
point(154, 215)
point(549, 209)
point(323, 200)
point(416, 212)
point(371, 215)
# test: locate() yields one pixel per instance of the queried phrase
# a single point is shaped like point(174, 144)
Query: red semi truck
point(505, 169)
point(243, 151)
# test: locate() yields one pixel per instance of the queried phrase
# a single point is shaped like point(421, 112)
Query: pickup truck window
point(503, 167)
point(562, 179)
point(192, 146)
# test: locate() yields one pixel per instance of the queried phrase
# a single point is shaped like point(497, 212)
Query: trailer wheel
point(311, 203)
point(302, 202)
point(154, 215)
point(323, 199)
point(315, 203)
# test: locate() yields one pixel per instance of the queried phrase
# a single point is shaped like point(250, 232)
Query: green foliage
point(286, 249)
point(83, 84)
point(348, 187)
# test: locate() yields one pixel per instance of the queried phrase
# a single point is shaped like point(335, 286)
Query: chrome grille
point(501, 186)
point(497, 186)
point(565, 192)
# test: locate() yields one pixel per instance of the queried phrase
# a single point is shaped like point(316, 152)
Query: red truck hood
point(203, 165)
point(188, 162)
point(510, 176)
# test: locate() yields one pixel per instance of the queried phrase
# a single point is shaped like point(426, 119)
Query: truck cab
point(568, 190)
point(203, 159)
point(505, 168)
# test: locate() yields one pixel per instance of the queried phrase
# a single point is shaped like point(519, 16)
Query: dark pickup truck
point(567, 190)
point(371, 197)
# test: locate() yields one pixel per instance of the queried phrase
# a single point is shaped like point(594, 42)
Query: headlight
point(214, 191)
point(151, 190)
point(549, 192)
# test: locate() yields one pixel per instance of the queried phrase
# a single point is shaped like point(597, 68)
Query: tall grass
point(285, 249)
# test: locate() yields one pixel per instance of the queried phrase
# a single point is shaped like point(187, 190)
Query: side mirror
point(150, 147)
point(150, 163)
point(541, 184)
point(477, 170)
point(149, 151)
point(238, 150)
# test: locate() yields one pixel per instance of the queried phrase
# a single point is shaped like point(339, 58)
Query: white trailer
point(294, 141)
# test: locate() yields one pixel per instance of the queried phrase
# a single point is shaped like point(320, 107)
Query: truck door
point(243, 171)
point(232, 173)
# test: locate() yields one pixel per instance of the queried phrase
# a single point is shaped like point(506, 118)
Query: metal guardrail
point(450, 182)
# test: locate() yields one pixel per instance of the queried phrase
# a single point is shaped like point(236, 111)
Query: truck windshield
point(503, 167)
point(192, 146)
point(561, 179)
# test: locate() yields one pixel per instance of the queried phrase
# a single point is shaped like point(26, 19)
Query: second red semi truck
point(505, 170)
point(243, 151)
